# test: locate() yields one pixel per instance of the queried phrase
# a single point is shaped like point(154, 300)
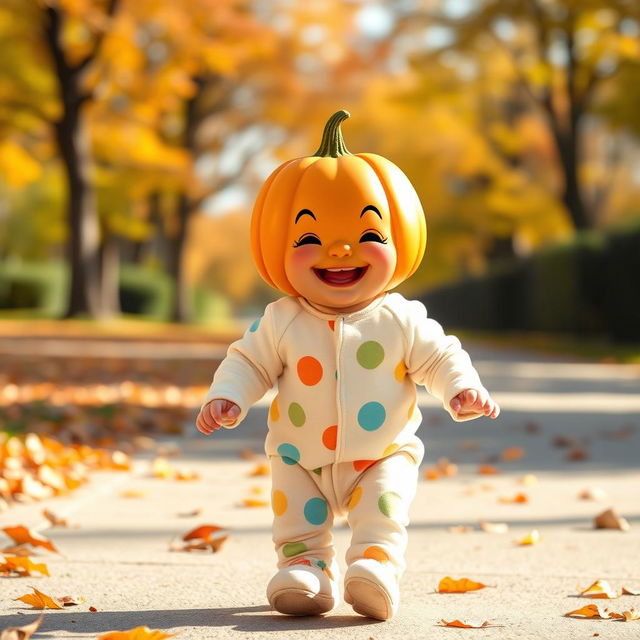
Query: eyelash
point(378, 238)
point(307, 239)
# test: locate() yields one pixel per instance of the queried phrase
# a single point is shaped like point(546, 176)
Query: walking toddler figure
point(336, 232)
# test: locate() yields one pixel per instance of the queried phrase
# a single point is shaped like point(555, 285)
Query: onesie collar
point(347, 317)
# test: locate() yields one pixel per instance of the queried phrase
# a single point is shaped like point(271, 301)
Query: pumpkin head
point(337, 187)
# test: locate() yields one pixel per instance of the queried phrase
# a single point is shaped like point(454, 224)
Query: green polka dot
point(390, 504)
point(296, 414)
point(322, 564)
point(318, 471)
point(255, 325)
point(289, 454)
point(370, 354)
point(316, 511)
point(293, 549)
point(371, 416)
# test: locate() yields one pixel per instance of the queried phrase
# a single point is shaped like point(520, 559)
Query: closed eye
point(371, 235)
point(307, 238)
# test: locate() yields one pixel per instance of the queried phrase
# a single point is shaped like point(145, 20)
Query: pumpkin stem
point(332, 144)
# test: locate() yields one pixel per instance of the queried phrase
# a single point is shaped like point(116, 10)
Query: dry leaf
point(21, 633)
point(577, 454)
point(512, 454)
point(630, 615)
point(22, 535)
point(54, 519)
point(592, 611)
point(488, 470)
point(203, 532)
point(213, 545)
point(494, 527)
point(592, 493)
point(461, 528)
point(261, 469)
point(449, 585)
point(139, 633)
point(432, 473)
point(23, 566)
point(40, 600)
point(254, 502)
point(518, 498)
point(446, 467)
point(190, 514)
point(599, 589)
point(185, 475)
point(609, 519)
point(531, 538)
point(630, 592)
point(563, 441)
point(464, 625)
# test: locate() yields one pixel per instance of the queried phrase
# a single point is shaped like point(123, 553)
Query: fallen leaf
point(630, 615)
point(40, 600)
point(449, 585)
point(22, 535)
point(69, 601)
point(21, 565)
point(630, 592)
point(599, 589)
point(203, 532)
point(622, 433)
point(511, 454)
point(21, 633)
point(432, 473)
point(261, 469)
point(460, 528)
point(577, 454)
point(446, 467)
point(464, 625)
point(139, 633)
point(186, 475)
point(494, 527)
point(533, 537)
point(202, 539)
point(592, 611)
point(609, 519)
point(190, 514)
point(563, 441)
point(592, 493)
point(254, 502)
point(54, 519)
point(518, 498)
point(247, 454)
point(161, 468)
point(488, 470)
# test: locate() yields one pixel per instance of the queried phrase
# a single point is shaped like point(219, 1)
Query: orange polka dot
point(309, 370)
point(390, 449)
point(332, 325)
point(330, 437)
point(278, 502)
point(301, 561)
point(274, 410)
point(376, 553)
point(361, 465)
point(355, 498)
point(400, 371)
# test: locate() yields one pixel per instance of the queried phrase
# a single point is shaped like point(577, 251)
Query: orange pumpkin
point(338, 183)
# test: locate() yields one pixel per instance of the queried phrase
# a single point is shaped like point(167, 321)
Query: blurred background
point(134, 136)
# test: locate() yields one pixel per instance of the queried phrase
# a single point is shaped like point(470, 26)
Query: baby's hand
point(216, 414)
point(475, 401)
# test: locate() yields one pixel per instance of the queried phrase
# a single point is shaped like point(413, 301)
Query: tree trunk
point(110, 275)
point(181, 311)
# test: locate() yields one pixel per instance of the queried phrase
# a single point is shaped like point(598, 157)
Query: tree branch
point(109, 13)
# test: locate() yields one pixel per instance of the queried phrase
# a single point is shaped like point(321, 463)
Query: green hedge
point(586, 287)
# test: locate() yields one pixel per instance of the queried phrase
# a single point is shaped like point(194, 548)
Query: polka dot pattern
point(278, 502)
point(355, 498)
point(400, 371)
point(376, 553)
point(371, 416)
point(330, 437)
point(297, 414)
point(289, 454)
point(316, 511)
point(274, 410)
point(254, 327)
point(370, 354)
point(293, 549)
point(361, 465)
point(392, 448)
point(332, 325)
point(390, 504)
point(309, 371)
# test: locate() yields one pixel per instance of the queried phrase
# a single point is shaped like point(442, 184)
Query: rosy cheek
point(380, 255)
point(303, 257)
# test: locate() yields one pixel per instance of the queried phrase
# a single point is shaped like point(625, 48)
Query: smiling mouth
point(341, 277)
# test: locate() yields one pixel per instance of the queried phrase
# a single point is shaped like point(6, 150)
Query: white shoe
point(371, 588)
point(303, 590)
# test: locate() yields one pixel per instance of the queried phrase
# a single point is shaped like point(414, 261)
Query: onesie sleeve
point(438, 361)
point(251, 367)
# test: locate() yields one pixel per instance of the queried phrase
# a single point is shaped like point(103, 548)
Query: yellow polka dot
point(412, 408)
point(376, 553)
point(400, 371)
point(274, 411)
point(278, 502)
point(355, 498)
point(390, 449)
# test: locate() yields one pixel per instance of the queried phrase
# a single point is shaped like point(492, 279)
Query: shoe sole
point(368, 599)
point(299, 602)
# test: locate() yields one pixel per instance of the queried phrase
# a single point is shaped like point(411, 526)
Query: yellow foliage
point(17, 167)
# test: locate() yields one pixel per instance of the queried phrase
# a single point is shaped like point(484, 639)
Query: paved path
point(118, 557)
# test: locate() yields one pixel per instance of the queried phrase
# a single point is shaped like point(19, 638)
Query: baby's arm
point(439, 362)
point(251, 367)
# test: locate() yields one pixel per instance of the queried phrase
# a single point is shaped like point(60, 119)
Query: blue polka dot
point(289, 453)
point(371, 416)
point(316, 511)
point(255, 325)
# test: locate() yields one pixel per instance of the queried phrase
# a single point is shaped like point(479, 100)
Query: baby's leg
point(306, 583)
point(378, 516)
